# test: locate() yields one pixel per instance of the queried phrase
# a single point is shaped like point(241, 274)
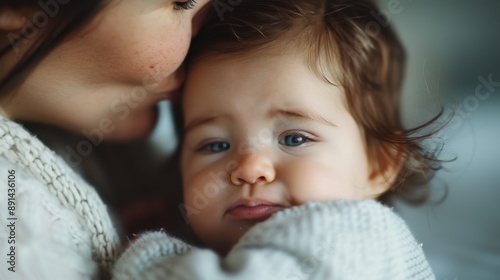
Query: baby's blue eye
point(293, 140)
point(217, 147)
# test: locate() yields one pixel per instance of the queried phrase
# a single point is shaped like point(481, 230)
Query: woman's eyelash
point(186, 5)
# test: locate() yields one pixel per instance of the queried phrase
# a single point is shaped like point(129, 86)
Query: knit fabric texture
point(331, 240)
point(68, 192)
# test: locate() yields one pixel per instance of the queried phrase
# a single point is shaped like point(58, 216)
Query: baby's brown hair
point(344, 45)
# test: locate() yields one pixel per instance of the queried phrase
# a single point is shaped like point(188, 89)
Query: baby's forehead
point(325, 67)
point(262, 77)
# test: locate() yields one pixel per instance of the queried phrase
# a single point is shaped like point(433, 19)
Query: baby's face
point(263, 134)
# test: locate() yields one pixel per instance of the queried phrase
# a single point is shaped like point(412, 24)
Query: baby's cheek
point(200, 208)
point(205, 185)
point(195, 196)
point(313, 181)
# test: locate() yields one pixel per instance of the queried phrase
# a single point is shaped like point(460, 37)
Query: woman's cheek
point(156, 52)
point(166, 56)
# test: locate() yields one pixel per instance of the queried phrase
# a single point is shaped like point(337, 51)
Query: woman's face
point(106, 79)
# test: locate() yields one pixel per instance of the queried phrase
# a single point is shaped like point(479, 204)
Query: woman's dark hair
point(50, 23)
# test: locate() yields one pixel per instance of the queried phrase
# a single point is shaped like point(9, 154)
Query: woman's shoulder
point(41, 228)
point(46, 183)
point(30, 202)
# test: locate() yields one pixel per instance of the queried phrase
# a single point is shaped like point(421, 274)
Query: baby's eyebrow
point(300, 114)
point(198, 122)
point(274, 113)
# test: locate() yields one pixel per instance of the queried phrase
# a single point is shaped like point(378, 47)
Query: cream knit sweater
point(334, 240)
point(62, 228)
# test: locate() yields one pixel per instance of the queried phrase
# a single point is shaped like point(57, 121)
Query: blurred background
point(453, 60)
point(453, 50)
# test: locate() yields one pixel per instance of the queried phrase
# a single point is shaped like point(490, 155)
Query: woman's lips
point(173, 96)
point(249, 210)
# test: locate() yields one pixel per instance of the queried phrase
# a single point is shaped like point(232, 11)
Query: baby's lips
point(253, 209)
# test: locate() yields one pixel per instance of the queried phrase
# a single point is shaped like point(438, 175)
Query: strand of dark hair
point(70, 18)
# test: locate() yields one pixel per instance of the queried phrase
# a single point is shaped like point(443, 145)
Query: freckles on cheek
point(165, 58)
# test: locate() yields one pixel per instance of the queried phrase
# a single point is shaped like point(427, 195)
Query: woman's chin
point(136, 126)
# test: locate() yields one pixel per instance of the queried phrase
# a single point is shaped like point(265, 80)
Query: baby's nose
point(252, 169)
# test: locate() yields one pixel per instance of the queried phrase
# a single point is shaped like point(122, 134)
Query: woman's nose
point(252, 169)
point(200, 17)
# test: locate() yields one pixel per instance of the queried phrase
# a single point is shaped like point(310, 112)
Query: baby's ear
point(10, 19)
point(385, 163)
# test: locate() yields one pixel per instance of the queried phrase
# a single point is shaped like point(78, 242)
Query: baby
point(289, 103)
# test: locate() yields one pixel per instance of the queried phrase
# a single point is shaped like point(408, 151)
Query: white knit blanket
point(334, 240)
